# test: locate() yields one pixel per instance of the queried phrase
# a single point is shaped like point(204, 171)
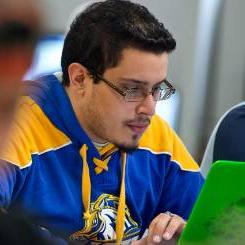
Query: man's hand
point(165, 227)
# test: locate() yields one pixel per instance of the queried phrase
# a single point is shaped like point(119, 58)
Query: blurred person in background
point(88, 158)
point(20, 28)
point(19, 31)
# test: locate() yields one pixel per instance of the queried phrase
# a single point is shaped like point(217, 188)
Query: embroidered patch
point(100, 226)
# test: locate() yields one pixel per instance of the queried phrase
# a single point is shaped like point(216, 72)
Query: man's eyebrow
point(141, 82)
point(131, 80)
point(159, 83)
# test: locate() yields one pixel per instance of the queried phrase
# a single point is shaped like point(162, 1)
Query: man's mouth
point(138, 128)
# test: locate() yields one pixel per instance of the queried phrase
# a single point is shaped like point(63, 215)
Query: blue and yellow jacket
point(51, 171)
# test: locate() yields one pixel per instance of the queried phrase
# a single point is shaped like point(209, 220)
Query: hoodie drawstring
point(86, 190)
point(86, 184)
point(122, 204)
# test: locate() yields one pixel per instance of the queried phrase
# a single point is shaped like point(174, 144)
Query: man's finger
point(156, 231)
point(174, 227)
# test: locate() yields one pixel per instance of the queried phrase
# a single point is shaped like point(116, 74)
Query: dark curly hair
point(98, 35)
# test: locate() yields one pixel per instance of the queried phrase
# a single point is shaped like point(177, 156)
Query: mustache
point(139, 120)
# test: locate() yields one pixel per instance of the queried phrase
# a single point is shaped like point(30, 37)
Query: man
point(226, 141)
point(88, 158)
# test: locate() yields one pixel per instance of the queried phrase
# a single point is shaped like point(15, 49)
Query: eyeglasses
point(160, 92)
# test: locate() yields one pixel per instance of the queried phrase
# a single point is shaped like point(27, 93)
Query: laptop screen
point(218, 217)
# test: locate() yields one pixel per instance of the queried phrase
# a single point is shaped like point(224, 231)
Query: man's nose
point(147, 106)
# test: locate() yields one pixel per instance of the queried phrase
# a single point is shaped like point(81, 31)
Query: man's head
point(19, 30)
point(120, 42)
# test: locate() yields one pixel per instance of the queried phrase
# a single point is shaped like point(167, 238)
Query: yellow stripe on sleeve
point(31, 133)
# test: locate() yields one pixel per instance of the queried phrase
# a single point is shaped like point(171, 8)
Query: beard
point(100, 131)
point(127, 147)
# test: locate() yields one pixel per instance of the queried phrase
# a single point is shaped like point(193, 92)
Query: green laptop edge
point(218, 216)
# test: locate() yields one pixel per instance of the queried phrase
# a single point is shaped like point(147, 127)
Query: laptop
point(218, 216)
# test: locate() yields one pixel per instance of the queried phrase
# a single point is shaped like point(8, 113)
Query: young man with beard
point(88, 158)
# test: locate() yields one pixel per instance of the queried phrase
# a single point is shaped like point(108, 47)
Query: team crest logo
point(101, 225)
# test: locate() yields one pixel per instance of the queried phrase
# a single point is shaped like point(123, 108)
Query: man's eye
point(130, 87)
point(133, 89)
point(157, 88)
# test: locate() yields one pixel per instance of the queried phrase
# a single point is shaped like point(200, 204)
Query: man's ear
point(77, 75)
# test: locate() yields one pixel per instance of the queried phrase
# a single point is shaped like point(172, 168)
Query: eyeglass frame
point(125, 93)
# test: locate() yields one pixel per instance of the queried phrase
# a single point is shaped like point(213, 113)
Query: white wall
point(226, 84)
point(231, 59)
point(57, 13)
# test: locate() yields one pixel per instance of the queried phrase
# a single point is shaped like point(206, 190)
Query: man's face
point(106, 116)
